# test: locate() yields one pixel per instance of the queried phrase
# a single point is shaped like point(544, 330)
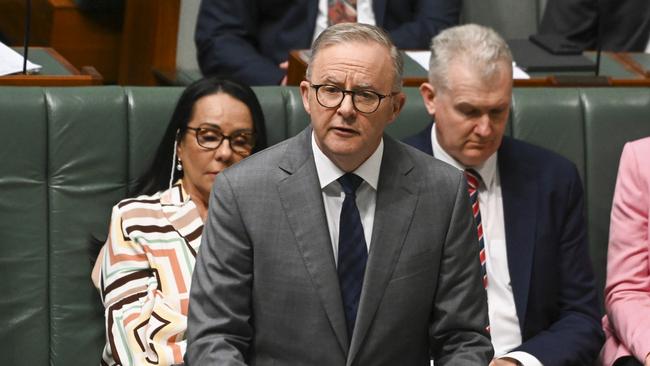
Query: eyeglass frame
point(352, 94)
point(224, 137)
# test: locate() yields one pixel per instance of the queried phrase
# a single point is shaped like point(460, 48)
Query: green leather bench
point(69, 154)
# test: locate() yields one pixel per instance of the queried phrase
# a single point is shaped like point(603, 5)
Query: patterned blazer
point(146, 275)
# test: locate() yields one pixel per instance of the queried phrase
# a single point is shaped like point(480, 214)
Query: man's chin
point(341, 147)
point(475, 158)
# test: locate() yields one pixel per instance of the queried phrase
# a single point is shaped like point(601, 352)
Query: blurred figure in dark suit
point(625, 24)
point(251, 39)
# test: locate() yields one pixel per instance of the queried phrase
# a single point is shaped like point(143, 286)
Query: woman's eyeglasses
point(241, 142)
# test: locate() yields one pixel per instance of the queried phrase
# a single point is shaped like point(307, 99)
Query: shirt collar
point(176, 196)
point(328, 172)
point(487, 170)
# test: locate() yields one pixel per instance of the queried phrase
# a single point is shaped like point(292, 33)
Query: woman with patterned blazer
point(149, 256)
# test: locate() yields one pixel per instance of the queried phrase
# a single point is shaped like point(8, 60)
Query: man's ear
point(304, 93)
point(398, 103)
point(428, 93)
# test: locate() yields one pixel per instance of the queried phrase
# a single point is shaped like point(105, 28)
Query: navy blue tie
point(353, 252)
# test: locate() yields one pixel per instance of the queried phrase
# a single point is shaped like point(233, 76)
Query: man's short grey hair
point(358, 32)
point(475, 45)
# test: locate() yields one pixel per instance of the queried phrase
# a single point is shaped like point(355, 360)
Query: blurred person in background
point(251, 39)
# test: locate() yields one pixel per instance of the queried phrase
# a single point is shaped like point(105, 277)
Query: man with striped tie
point(527, 203)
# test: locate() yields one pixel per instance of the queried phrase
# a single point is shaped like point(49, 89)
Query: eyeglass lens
point(240, 142)
point(331, 96)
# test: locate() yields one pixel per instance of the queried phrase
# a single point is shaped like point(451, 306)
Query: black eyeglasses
point(364, 101)
point(241, 142)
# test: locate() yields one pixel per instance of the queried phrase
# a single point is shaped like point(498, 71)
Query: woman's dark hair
point(157, 176)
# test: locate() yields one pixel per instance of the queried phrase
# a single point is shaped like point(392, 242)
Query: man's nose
point(346, 109)
point(483, 126)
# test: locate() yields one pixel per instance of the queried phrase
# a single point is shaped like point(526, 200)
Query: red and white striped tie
point(473, 181)
point(341, 11)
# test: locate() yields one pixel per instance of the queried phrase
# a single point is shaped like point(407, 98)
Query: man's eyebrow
point(329, 80)
point(501, 106)
point(465, 104)
point(362, 87)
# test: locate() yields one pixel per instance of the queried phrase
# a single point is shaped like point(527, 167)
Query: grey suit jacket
point(265, 289)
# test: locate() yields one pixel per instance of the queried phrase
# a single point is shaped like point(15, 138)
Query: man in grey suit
point(340, 246)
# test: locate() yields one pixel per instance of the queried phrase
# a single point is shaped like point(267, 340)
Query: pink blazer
point(627, 293)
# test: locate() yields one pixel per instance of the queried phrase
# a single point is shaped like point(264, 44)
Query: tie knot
point(350, 182)
point(473, 178)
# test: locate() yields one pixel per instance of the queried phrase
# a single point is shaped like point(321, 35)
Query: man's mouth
point(343, 131)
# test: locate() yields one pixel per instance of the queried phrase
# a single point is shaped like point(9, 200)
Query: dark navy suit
point(548, 255)
point(624, 24)
point(247, 39)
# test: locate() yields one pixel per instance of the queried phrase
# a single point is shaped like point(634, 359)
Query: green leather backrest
point(611, 118)
point(69, 154)
point(86, 160)
point(553, 118)
point(24, 229)
point(589, 126)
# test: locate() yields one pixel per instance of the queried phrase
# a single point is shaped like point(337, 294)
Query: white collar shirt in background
point(504, 323)
point(333, 194)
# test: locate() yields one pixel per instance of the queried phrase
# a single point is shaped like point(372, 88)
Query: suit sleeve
point(430, 18)
point(219, 319)
point(459, 317)
point(627, 293)
point(226, 32)
point(576, 336)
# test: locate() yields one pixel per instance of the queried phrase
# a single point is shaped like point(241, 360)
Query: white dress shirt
point(365, 14)
point(333, 194)
point(504, 323)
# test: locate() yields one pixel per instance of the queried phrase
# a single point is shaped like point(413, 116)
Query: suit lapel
point(519, 190)
point(302, 201)
point(396, 200)
point(379, 8)
point(310, 24)
point(422, 140)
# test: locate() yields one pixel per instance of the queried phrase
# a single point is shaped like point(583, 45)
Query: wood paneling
point(298, 66)
point(87, 38)
point(149, 40)
point(123, 47)
point(87, 76)
point(12, 22)
point(83, 38)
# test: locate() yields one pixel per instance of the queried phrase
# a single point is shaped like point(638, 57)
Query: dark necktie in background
point(353, 252)
point(341, 11)
point(473, 182)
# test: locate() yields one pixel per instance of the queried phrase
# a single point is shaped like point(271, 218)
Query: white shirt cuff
point(524, 358)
